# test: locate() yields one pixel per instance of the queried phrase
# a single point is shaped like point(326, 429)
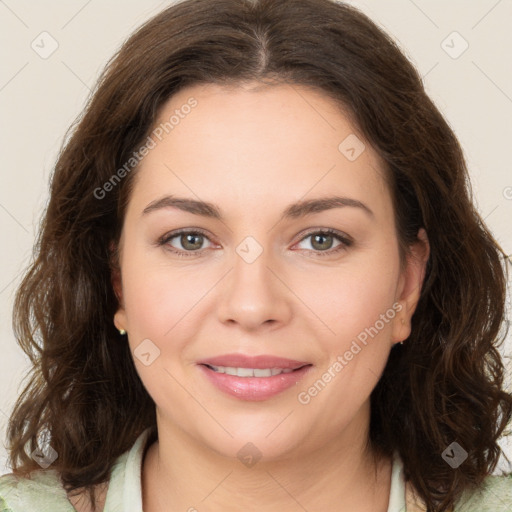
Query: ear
point(117, 285)
point(410, 284)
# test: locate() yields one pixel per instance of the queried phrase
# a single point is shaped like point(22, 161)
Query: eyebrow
point(293, 211)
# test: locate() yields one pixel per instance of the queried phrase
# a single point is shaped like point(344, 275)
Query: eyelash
point(345, 242)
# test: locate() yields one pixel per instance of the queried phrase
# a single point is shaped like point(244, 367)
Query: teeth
point(250, 372)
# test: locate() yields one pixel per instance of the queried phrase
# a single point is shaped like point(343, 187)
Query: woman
point(261, 283)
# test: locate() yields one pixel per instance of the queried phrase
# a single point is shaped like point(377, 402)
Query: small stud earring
point(122, 332)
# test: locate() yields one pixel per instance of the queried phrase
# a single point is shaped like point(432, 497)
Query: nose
point(254, 294)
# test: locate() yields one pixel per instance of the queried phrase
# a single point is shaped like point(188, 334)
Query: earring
point(122, 332)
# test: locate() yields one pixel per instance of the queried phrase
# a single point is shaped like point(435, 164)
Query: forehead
point(273, 143)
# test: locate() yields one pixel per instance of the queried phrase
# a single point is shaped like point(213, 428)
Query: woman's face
point(257, 274)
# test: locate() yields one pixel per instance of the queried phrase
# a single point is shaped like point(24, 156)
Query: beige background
point(40, 97)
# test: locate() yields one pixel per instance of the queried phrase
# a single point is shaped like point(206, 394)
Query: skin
point(253, 151)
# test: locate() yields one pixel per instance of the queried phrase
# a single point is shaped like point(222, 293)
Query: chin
point(259, 442)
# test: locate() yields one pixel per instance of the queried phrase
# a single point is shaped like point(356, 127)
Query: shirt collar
point(125, 489)
point(397, 494)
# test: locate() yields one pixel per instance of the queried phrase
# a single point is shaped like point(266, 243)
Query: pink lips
point(253, 388)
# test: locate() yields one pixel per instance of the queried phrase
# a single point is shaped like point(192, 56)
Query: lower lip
point(254, 388)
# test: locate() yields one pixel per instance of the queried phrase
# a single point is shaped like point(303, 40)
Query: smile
point(252, 384)
point(250, 372)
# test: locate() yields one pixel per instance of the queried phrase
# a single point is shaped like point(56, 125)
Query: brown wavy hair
point(445, 384)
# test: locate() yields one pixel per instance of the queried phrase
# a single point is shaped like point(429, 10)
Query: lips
point(260, 361)
point(247, 377)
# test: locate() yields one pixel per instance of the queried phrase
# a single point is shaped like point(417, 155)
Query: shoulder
point(41, 492)
point(495, 495)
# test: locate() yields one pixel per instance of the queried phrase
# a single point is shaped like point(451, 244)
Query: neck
point(339, 475)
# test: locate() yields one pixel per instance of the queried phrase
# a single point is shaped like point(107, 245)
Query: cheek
point(357, 307)
point(159, 303)
point(353, 297)
point(158, 296)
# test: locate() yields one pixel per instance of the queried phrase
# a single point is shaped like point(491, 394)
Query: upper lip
point(246, 361)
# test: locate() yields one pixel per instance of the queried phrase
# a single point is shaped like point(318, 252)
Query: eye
point(322, 242)
point(189, 242)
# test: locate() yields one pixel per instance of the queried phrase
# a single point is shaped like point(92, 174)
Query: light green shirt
point(43, 492)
